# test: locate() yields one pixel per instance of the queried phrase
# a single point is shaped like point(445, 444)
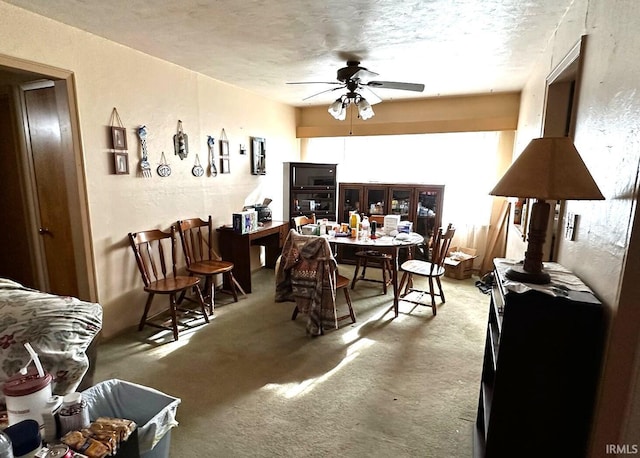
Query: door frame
point(64, 81)
point(562, 94)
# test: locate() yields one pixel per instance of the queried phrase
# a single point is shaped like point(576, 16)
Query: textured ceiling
point(451, 46)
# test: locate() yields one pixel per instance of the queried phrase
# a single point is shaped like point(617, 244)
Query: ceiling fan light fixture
point(364, 109)
point(338, 109)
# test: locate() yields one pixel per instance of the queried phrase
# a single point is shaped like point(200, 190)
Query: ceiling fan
point(357, 80)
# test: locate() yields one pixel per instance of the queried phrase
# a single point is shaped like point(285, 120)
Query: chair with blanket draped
point(432, 270)
point(307, 275)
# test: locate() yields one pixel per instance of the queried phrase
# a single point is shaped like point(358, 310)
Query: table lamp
point(549, 168)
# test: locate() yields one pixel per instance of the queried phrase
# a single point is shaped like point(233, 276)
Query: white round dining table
point(386, 244)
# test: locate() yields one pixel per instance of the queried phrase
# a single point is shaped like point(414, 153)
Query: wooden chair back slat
point(197, 240)
point(150, 254)
point(299, 221)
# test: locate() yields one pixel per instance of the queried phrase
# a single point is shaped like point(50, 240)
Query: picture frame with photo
point(224, 164)
point(224, 147)
point(121, 163)
point(118, 138)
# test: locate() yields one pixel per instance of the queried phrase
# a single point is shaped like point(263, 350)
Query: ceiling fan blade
point(315, 82)
point(322, 92)
point(371, 96)
point(395, 85)
point(364, 75)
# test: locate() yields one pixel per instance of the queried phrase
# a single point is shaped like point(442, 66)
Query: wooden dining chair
point(373, 259)
point(202, 260)
point(294, 280)
point(153, 249)
point(432, 270)
point(299, 221)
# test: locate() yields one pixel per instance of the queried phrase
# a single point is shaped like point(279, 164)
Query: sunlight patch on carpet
point(292, 390)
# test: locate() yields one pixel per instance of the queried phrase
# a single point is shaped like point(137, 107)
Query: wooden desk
point(236, 248)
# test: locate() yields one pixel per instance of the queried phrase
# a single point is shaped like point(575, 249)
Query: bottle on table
point(365, 227)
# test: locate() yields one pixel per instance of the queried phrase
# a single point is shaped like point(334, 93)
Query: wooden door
point(15, 261)
point(46, 151)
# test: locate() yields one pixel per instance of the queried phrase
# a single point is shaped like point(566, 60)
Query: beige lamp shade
point(549, 168)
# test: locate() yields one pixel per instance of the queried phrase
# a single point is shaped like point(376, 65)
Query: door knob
point(44, 230)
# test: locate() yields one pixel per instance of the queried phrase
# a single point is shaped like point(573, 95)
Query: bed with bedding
point(62, 330)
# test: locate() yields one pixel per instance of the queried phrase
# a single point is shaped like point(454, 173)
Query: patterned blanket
point(307, 275)
point(58, 328)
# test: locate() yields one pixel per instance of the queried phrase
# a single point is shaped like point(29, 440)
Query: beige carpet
point(253, 384)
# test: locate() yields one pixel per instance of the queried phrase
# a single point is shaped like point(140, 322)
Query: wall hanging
point(211, 143)
point(145, 167)
point(121, 163)
point(181, 142)
point(163, 169)
point(119, 144)
point(197, 170)
point(224, 153)
point(118, 132)
point(258, 156)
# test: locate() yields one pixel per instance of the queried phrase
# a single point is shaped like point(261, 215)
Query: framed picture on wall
point(258, 156)
point(118, 138)
point(224, 164)
point(224, 147)
point(121, 163)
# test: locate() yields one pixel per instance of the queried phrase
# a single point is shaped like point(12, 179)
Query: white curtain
point(465, 163)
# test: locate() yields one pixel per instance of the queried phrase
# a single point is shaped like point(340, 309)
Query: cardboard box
point(390, 223)
point(405, 226)
point(245, 222)
point(459, 262)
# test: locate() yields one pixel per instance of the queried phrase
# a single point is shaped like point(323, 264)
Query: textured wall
point(149, 91)
point(607, 138)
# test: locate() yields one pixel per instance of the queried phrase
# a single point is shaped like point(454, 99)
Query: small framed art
point(258, 156)
point(119, 138)
point(121, 163)
point(224, 164)
point(224, 147)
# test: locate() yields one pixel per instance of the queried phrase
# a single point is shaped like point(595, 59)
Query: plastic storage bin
point(153, 411)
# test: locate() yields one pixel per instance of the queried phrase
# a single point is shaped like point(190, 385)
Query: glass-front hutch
point(419, 203)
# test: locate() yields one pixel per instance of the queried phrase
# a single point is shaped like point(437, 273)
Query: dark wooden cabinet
point(541, 369)
point(418, 203)
point(310, 188)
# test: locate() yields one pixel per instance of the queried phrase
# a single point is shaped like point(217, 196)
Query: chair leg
point(202, 303)
point(406, 282)
point(238, 287)
point(440, 289)
point(232, 283)
point(355, 273)
point(433, 296)
point(384, 276)
point(210, 286)
point(295, 313)
point(174, 319)
point(348, 299)
point(147, 306)
point(364, 268)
